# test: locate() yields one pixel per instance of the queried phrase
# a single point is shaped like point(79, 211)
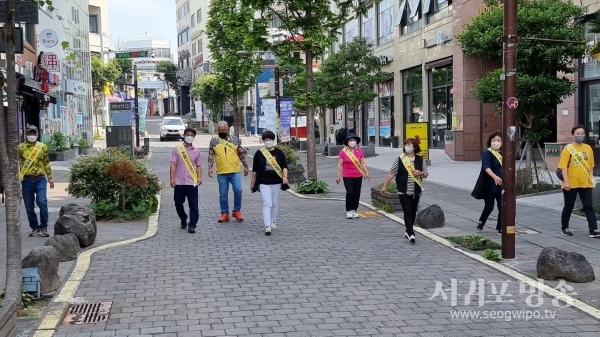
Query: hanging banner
point(286, 109)
point(420, 132)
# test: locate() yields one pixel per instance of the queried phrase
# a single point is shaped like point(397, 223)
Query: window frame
point(95, 17)
point(389, 37)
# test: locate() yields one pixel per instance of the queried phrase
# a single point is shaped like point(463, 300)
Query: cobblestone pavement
point(318, 274)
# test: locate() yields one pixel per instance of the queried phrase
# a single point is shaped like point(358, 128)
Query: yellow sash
point(188, 162)
point(228, 144)
point(496, 154)
point(272, 161)
point(354, 160)
point(579, 158)
point(409, 168)
point(37, 149)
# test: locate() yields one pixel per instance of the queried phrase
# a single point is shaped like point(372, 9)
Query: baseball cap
point(32, 128)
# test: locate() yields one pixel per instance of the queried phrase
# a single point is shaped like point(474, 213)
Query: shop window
point(441, 111)
point(412, 87)
point(410, 16)
point(386, 29)
point(437, 10)
point(368, 22)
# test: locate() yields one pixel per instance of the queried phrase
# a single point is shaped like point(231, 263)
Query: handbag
point(480, 189)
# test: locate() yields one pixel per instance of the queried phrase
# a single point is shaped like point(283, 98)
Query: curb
point(588, 309)
point(55, 312)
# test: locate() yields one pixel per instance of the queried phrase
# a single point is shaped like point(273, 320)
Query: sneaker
point(273, 226)
point(268, 230)
point(479, 228)
point(349, 215)
point(412, 238)
point(499, 232)
point(34, 232)
point(595, 234)
point(238, 215)
point(183, 224)
point(44, 233)
point(406, 236)
point(355, 215)
point(224, 218)
point(191, 230)
point(566, 232)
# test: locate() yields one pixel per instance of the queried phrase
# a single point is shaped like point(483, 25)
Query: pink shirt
point(349, 170)
point(182, 175)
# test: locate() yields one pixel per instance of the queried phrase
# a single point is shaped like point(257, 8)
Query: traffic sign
point(512, 103)
point(151, 84)
point(131, 54)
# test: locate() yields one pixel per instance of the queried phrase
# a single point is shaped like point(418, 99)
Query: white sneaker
point(355, 215)
point(273, 226)
point(349, 215)
point(268, 230)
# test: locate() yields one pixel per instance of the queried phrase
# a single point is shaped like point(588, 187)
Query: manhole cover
point(369, 214)
point(88, 313)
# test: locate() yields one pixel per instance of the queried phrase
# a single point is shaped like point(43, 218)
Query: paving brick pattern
point(318, 274)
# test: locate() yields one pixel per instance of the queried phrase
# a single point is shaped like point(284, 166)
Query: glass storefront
point(440, 104)
point(369, 128)
point(386, 113)
point(590, 91)
point(412, 97)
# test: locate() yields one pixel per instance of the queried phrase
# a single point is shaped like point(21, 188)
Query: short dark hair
point(578, 127)
point(492, 136)
point(268, 134)
point(415, 143)
point(192, 130)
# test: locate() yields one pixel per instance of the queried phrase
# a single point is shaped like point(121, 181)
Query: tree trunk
point(311, 156)
point(528, 163)
point(9, 160)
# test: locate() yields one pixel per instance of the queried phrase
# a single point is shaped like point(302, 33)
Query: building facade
point(99, 29)
point(184, 57)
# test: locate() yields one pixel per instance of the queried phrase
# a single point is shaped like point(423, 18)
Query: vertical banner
point(143, 111)
point(286, 109)
point(198, 109)
point(420, 132)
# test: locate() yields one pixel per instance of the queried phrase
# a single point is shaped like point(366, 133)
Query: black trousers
point(190, 193)
point(489, 207)
point(409, 205)
point(353, 186)
point(585, 194)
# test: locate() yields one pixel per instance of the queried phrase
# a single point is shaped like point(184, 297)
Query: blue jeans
point(34, 192)
point(191, 193)
point(236, 184)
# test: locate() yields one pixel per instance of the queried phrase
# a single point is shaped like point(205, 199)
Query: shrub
point(312, 186)
point(59, 142)
point(290, 156)
point(84, 143)
point(118, 185)
point(474, 242)
point(391, 187)
point(492, 254)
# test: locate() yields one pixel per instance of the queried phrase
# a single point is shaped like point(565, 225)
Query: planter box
point(87, 152)
point(296, 174)
point(334, 150)
point(388, 198)
point(295, 144)
point(63, 155)
point(319, 148)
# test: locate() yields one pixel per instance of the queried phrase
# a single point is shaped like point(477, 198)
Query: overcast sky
point(154, 18)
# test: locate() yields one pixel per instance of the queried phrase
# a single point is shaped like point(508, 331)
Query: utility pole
point(509, 125)
point(277, 88)
point(136, 111)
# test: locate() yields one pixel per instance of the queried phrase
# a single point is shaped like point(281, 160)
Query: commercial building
point(99, 30)
point(184, 57)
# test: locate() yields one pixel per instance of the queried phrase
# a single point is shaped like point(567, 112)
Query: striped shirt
point(182, 175)
point(410, 187)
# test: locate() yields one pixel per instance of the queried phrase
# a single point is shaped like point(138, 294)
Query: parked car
point(172, 128)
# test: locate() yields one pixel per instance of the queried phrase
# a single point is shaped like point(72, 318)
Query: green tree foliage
point(169, 69)
point(594, 27)
point(209, 87)
point(541, 66)
point(102, 75)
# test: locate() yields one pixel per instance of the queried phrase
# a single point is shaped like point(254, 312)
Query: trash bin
point(394, 142)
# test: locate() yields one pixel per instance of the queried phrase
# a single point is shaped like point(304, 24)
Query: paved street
point(317, 275)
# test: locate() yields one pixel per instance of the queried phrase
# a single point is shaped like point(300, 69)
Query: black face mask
point(223, 135)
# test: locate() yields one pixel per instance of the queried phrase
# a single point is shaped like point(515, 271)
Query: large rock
point(84, 231)
point(85, 213)
point(46, 260)
point(431, 217)
point(66, 245)
point(556, 264)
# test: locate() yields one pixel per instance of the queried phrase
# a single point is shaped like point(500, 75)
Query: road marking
point(57, 307)
point(588, 309)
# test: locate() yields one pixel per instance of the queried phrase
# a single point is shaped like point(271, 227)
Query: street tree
point(542, 66)
point(103, 78)
point(231, 28)
point(594, 27)
point(311, 27)
point(168, 73)
point(209, 88)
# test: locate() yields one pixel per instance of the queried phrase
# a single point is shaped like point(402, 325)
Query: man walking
point(226, 153)
point(186, 176)
point(35, 173)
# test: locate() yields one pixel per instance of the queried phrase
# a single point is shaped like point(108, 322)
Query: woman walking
point(489, 183)
point(410, 169)
point(269, 177)
point(352, 168)
point(577, 164)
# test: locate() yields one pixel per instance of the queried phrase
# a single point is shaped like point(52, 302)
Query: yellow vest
point(226, 160)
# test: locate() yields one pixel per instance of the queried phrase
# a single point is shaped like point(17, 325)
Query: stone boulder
point(84, 231)
point(46, 260)
point(556, 264)
point(431, 217)
point(85, 213)
point(66, 245)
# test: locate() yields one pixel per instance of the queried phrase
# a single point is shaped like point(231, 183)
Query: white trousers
point(270, 197)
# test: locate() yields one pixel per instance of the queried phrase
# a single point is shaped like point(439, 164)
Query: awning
point(42, 97)
point(34, 87)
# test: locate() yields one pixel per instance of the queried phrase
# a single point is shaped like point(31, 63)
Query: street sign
point(512, 103)
point(131, 54)
point(120, 106)
point(151, 84)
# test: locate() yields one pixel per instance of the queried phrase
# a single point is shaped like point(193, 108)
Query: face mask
point(579, 139)
point(496, 145)
point(31, 138)
point(352, 144)
point(223, 135)
point(189, 139)
point(268, 143)
point(408, 149)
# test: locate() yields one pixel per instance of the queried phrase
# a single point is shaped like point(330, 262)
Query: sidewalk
point(318, 274)
point(449, 185)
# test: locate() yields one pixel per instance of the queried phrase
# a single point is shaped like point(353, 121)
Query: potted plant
point(389, 196)
point(61, 150)
point(85, 148)
point(295, 170)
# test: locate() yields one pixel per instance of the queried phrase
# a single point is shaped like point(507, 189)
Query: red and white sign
point(50, 62)
point(512, 103)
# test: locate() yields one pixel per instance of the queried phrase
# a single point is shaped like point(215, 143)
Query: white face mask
point(189, 139)
point(408, 149)
point(496, 145)
point(268, 143)
point(32, 138)
point(352, 143)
